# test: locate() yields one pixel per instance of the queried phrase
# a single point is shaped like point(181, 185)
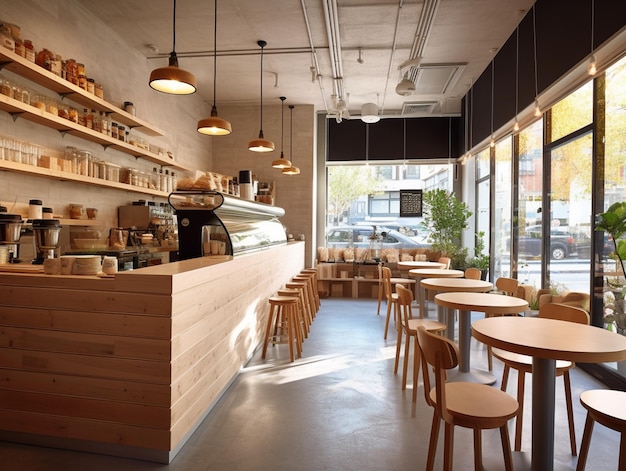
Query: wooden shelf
point(31, 71)
point(64, 176)
point(31, 113)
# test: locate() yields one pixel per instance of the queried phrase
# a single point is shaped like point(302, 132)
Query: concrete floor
point(340, 407)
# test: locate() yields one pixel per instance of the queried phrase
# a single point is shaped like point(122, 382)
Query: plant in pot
point(480, 259)
point(613, 222)
point(446, 217)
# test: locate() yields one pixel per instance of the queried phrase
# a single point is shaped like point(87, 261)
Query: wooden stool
point(310, 279)
point(310, 297)
point(607, 407)
point(306, 306)
point(302, 315)
point(313, 271)
point(282, 321)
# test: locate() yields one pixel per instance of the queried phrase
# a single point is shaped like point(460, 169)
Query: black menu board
point(410, 203)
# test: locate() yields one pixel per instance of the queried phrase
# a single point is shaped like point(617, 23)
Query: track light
point(369, 113)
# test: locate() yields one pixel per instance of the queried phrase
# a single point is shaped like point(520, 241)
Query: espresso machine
point(10, 232)
point(46, 239)
point(200, 230)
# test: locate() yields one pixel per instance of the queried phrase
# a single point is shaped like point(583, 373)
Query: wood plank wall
point(134, 362)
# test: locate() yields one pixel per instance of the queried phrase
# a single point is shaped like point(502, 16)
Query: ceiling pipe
point(316, 65)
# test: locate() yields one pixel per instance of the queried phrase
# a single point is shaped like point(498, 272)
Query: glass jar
point(91, 86)
point(29, 50)
point(99, 91)
point(129, 107)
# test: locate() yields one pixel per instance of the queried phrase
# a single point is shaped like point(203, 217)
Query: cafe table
point(423, 273)
point(546, 341)
point(465, 303)
point(447, 285)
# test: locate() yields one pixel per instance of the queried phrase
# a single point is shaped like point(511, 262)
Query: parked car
point(358, 236)
point(562, 243)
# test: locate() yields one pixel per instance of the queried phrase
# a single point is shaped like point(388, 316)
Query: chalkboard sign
point(410, 203)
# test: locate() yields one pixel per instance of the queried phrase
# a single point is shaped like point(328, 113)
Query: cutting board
point(21, 268)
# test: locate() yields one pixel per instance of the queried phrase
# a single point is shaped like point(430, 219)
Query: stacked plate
point(86, 264)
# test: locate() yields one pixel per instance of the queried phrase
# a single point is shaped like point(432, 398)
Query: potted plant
point(446, 217)
point(480, 259)
point(613, 221)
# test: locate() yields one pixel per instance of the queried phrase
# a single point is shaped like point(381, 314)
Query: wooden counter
point(130, 366)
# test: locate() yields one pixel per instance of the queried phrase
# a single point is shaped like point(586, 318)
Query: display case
point(211, 223)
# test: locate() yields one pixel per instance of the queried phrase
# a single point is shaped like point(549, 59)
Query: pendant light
point(261, 144)
point(172, 79)
point(592, 68)
point(537, 111)
point(516, 125)
point(282, 162)
point(492, 142)
point(292, 170)
point(214, 126)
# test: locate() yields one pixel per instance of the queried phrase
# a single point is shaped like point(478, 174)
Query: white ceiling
point(454, 38)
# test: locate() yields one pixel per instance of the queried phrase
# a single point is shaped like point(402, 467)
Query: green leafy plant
point(613, 221)
point(446, 218)
point(480, 259)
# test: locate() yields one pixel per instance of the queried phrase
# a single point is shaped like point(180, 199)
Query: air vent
point(418, 107)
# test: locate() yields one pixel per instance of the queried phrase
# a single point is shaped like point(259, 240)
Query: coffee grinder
point(10, 232)
point(46, 238)
point(200, 230)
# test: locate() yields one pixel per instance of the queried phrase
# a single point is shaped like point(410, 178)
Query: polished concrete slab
point(339, 407)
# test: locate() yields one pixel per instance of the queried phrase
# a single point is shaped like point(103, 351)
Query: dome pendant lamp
point(172, 79)
point(261, 144)
point(293, 170)
point(282, 162)
point(214, 126)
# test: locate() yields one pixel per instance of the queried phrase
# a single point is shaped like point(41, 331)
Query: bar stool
point(313, 271)
point(302, 315)
point(282, 321)
point(607, 407)
point(303, 294)
point(310, 279)
point(309, 292)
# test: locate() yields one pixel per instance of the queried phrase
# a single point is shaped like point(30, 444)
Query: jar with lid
point(114, 131)
point(35, 209)
point(129, 107)
point(56, 65)
point(121, 133)
point(46, 213)
point(99, 91)
point(29, 50)
point(6, 38)
point(91, 85)
point(76, 211)
point(20, 50)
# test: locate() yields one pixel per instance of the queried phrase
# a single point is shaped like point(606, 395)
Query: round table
point(424, 273)
point(465, 303)
point(446, 285)
point(419, 264)
point(548, 340)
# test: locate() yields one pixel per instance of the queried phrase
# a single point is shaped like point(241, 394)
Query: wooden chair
point(390, 296)
point(473, 273)
point(608, 408)
point(507, 287)
point(524, 364)
point(394, 281)
point(445, 260)
point(470, 405)
point(409, 327)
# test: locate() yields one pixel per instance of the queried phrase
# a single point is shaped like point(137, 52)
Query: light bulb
point(516, 126)
point(492, 143)
point(592, 67)
point(537, 109)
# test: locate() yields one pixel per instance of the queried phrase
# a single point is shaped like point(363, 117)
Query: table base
point(521, 462)
point(472, 376)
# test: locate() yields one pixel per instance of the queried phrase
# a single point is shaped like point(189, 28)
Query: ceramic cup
point(52, 266)
point(109, 265)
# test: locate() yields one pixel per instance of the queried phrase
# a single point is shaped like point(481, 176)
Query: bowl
point(90, 244)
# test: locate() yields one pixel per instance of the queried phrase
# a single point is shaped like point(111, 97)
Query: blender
point(46, 237)
point(10, 231)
